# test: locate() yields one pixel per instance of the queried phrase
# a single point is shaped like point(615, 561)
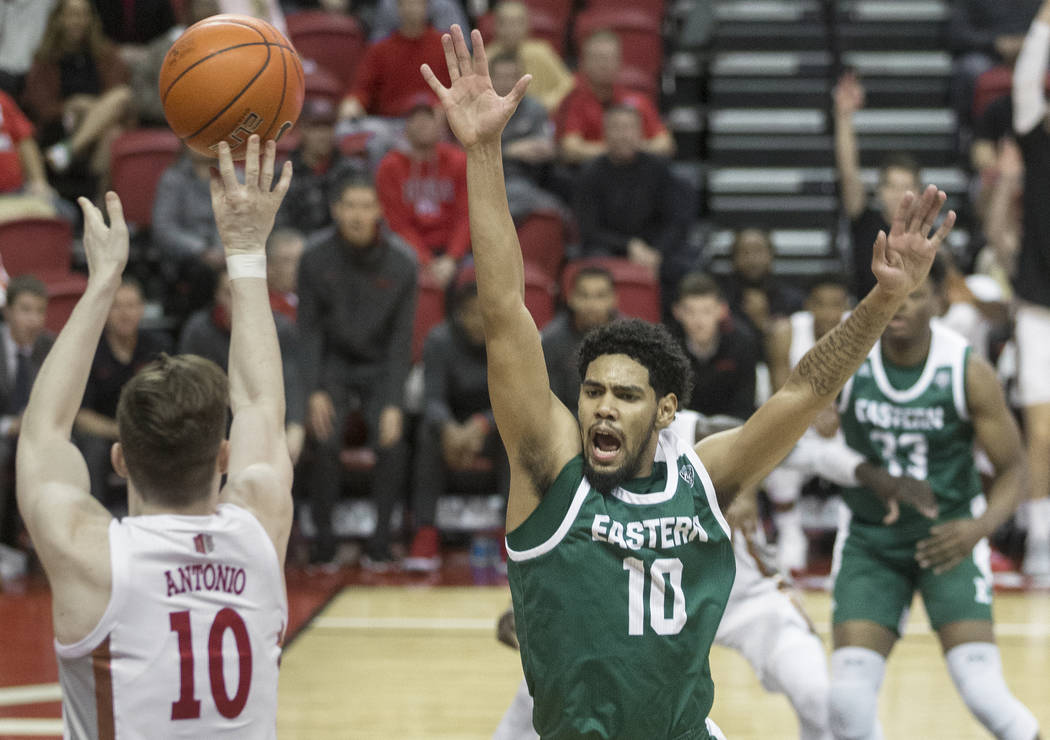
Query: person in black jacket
point(457, 432)
point(357, 300)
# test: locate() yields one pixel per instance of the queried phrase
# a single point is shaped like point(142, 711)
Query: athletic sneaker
point(378, 559)
point(425, 554)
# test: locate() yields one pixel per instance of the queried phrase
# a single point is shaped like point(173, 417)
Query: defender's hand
point(902, 260)
point(949, 544)
point(476, 114)
point(244, 213)
point(106, 247)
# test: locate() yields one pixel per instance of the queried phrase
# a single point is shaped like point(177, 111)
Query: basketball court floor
point(407, 657)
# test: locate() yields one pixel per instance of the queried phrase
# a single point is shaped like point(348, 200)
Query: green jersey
point(617, 599)
point(913, 421)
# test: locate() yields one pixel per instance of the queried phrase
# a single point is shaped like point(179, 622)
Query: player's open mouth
point(605, 445)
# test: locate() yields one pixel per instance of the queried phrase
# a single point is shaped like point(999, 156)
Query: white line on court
point(32, 694)
point(1002, 629)
point(31, 727)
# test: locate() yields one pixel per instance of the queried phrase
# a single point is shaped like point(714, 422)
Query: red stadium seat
point(42, 247)
point(637, 291)
point(138, 159)
point(995, 83)
point(430, 311)
point(334, 41)
point(539, 295)
point(653, 8)
point(638, 29)
point(550, 25)
point(542, 239)
point(320, 83)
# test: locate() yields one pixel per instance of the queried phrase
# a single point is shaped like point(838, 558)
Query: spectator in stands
point(22, 26)
point(77, 90)
point(388, 76)
point(898, 174)
point(457, 427)
point(25, 345)
point(629, 204)
point(284, 250)
point(581, 115)
point(319, 167)
point(24, 189)
point(267, 10)
point(1032, 279)
point(423, 191)
point(207, 333)
point(134, 23)
point(591, 303)
point(551, 79)
point(357, 295)
point(983, 33)
point(528, 145)
point(144, 74)
point(751, 289)
point(122, 351)
point(722, 351)
point(440, 14)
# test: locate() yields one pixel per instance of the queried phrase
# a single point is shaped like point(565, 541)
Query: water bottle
point(484, 554)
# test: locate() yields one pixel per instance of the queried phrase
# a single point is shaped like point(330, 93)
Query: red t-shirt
point(582, 113)
point(14, 127)
point(389, 76)
point(425, 202)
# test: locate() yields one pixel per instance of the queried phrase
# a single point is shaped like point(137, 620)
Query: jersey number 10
point(658, 619)
point(188, 706)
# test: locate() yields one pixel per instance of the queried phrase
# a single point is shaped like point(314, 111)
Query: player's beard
point(605, 482)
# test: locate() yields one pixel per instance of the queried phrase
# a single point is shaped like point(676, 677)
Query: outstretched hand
point(106, 248)
point(244, 213)
point(902, 260)
point(476, 114)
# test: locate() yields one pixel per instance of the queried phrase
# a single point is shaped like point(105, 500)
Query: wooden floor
point(396, 662)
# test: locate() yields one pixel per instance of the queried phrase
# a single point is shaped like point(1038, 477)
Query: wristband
point(246, 266)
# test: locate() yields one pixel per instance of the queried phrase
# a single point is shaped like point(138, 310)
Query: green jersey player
point(620, 561)
point(917, 405)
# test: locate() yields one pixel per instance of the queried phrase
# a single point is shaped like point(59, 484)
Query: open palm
point(902, 260)
point(476, 114)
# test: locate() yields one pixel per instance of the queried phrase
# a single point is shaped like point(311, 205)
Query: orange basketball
point(228, 77)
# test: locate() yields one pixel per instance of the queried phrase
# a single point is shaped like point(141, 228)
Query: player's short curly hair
point(651, 345)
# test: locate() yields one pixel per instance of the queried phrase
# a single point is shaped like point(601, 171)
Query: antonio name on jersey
point(662, 532)
point(205, 577)
point(885, 415)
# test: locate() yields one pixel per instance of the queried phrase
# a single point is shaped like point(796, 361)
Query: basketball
point(228, 77)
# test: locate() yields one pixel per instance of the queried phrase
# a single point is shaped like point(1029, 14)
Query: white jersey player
point(168, 623)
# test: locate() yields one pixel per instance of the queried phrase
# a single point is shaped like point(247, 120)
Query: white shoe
point(1036, 559)
point(792, 550)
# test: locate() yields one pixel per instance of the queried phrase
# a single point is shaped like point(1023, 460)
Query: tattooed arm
point(900, 261)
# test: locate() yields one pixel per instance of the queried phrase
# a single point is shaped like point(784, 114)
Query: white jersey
point(802, 336)
point(190, 642)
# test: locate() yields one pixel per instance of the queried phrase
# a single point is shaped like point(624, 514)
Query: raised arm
point(997, 434)
point(260, 470)
point(849, 98)
point(531, 421)
point(900, 263)
point(68, 526)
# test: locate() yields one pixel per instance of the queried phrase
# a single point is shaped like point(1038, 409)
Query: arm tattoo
point(840, 352)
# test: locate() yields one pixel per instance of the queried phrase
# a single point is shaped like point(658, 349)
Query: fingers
point(946, 228)
point(903, 214)
point(226, 171)
point(285, 181)
point(481, 60)
point(459, 43)
point(115, 211)
point(251, 162)
point(269, 155)
point(432, 80)
point(518, 91)
point(878, 249)
point(931, 203)
point(92, 216)
point(450, 58)
point(893, 511)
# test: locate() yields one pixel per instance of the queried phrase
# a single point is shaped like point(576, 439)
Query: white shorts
point(1032, 333)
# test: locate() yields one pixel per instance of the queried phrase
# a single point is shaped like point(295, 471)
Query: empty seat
point(42, 247)
point(540, 291)
point(430, 311)
point(334, 41)
point(138, 159)
point(542, 239)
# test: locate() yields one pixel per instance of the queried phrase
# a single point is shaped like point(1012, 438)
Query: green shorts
point(875, 580)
